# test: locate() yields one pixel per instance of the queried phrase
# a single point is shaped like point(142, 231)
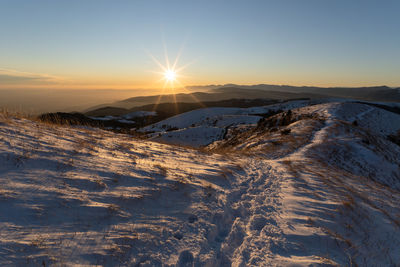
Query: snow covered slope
point(203, 126)
point(341, 189)
point(299, 188)
point(211, 116)
point(83, 196)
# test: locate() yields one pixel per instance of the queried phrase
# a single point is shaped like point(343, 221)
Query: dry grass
point(5, 116)
point(225, 172)
point(354, 195)
point(163, 171)
point(38, 242)
point(179, 183)
point(125, 146)
point(209, 190)
point(100, 183)
point(347, 205)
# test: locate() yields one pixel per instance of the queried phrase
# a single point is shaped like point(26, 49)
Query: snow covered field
point(323, 192)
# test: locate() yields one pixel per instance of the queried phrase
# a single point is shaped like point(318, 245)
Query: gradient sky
point(106, 44)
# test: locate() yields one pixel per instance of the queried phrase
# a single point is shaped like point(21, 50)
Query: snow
point(105, 118)
point(195, 136)
point(347, 184)
point(214, 115)
point(72, 195)
point(126, 121)
point(373, 119)
point(340, 193)
point(327, 193)
point(186, 119)
point(127, 118)
point(203, 126)
point(137, 114)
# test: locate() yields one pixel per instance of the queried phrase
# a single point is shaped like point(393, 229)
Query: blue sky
point(97, 44)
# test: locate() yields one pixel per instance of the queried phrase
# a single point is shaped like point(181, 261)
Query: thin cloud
point(9, 76)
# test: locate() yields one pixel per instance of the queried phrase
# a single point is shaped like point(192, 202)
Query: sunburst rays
point(171, 76)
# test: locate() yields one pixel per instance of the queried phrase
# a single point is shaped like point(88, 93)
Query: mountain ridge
point(216, 93)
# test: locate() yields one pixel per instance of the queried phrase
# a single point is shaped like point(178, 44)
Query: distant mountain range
point(374, 93)
point(261, 91)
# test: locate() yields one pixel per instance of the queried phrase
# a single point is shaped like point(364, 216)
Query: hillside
point(124, 120)
point(175, 108)
point(211, 96)
point(203, 126)
point(215, 93)
point(319, 184)
point(373, 93)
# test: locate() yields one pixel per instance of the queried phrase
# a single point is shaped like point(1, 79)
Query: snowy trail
point(268, 226)
point(361, 115)
point(254, 204)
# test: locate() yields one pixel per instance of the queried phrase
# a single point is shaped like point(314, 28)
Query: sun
point(170, 72)
point(170, 75)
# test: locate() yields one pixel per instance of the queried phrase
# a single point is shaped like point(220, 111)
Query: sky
point(115, 44)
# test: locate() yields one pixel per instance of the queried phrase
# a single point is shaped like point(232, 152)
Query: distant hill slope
point(374, 93)
point(172, 108)
point(217, 95)
point(203, 126)
point(229, 91)
point(121, 119)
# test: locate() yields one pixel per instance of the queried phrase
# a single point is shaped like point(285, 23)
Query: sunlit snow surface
point(203, 126)
point(326, 193)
